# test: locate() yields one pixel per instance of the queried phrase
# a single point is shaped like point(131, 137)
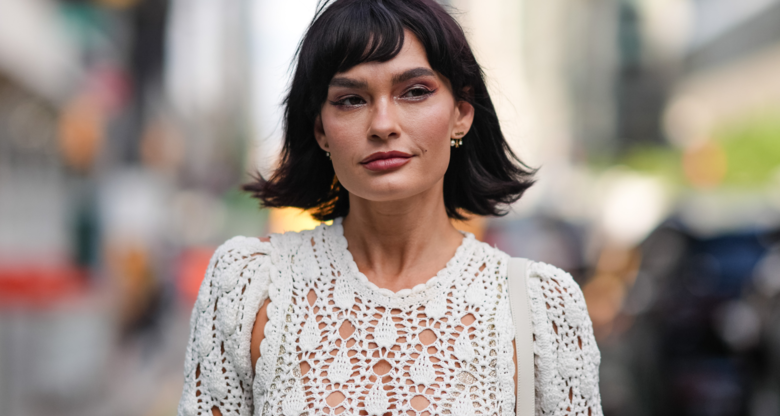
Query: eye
point(417, 92)
point(350, 101)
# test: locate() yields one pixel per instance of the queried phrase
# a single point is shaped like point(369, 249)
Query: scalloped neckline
point(449, 269)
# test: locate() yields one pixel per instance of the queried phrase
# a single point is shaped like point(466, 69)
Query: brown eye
point(352, 101)
point(349, 102)
point(417, 92)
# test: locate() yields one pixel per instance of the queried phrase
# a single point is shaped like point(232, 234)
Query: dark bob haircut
point(483, 176)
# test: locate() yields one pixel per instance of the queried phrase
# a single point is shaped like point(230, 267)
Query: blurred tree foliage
point(661, 161)
point(751, 146)
point(752, 149)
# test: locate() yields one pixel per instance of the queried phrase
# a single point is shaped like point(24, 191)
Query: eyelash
point(425, 93)
point(343, 102)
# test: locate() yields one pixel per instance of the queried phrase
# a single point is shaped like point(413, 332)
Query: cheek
point(343, 132)
point(346, 137)
point(430, 130)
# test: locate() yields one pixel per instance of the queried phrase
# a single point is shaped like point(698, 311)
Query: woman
point(390, 133)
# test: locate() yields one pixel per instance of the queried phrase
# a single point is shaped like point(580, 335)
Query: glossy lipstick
point(381, 161)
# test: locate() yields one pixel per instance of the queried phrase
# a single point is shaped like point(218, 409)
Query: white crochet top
point(440, 348)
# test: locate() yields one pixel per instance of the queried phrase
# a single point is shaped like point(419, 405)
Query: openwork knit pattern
point(441, 348)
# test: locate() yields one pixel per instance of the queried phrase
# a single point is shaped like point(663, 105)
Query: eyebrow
point(412, 73)
point(348, 83)
point(360, 84)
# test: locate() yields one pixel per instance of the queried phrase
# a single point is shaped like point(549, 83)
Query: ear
point(464, 117)
point(319, 134)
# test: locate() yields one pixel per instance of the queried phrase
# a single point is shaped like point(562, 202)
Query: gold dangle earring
point(458, 140)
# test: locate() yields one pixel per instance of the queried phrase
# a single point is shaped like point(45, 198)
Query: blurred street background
point(127, 126)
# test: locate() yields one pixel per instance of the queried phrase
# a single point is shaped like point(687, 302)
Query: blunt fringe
point(484, 175)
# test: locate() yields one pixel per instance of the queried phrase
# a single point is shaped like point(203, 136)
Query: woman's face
point(388, 125)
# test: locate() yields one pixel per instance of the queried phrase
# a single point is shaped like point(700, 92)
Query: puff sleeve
point(217, 368)
point(565, 352)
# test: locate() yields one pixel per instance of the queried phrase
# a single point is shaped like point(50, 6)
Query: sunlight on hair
point(473, 224)
point(282, 220)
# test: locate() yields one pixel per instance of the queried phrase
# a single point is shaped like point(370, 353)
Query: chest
point(338, 346)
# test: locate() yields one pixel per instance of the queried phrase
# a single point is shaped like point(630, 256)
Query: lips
point(380, 161)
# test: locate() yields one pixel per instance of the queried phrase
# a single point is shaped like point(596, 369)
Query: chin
point(392, 191)
point(385, 194)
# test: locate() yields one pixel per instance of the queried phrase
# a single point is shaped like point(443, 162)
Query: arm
point(566, 355)
point(218, 370)
point(258, 332)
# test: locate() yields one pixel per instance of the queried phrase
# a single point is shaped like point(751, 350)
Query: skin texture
point(397, 228)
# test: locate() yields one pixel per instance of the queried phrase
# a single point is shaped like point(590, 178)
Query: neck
point(400, 244)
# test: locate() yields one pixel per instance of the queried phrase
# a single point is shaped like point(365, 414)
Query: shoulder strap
point(524, 345)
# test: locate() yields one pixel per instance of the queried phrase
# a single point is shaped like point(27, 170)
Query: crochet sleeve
point(565, 352)
point(217, 368)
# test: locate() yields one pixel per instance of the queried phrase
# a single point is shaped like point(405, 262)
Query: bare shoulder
point(261, 320)
point(258, 331)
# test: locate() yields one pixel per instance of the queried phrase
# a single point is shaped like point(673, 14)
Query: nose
point(384, 121)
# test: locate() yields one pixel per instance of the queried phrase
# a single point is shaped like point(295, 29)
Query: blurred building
point(123, 135)
point(127, 126)
point(657, 128)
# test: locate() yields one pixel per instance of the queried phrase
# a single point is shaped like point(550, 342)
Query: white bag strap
point(524, 344)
